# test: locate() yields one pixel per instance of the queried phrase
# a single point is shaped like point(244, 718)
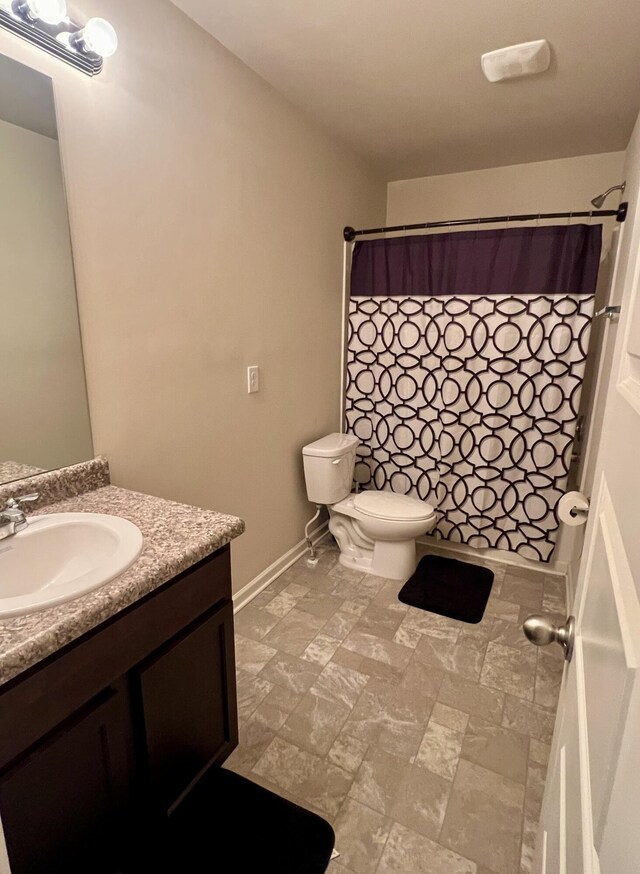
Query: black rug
point(449, 587)
point(229, 817)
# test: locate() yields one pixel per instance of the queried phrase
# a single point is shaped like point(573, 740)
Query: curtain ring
point(590, 217)
point(538, 220)
point(569, 217)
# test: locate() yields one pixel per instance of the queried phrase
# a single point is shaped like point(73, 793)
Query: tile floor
point(424, 741)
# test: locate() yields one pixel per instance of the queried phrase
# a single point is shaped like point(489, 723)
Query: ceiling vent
point(525, 59)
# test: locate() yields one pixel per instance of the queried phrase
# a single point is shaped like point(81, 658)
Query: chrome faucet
point(12, 517)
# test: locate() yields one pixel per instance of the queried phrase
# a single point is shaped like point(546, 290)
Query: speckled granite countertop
point(176, 536)
point(13, 470)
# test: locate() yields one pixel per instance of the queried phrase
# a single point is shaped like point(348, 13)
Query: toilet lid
point(387, 505)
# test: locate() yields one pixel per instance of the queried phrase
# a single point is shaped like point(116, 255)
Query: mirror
point(44, 415)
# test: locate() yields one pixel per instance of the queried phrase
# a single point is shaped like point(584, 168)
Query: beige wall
point(43, 400)
point(206, 218)
point(544, 186)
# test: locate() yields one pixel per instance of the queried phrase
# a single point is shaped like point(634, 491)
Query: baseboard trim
point(279, 566)
point(499, 556)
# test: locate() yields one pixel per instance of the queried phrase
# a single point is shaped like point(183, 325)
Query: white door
point(591, 810)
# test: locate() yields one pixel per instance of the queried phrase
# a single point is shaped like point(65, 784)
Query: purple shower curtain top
point(560, 259)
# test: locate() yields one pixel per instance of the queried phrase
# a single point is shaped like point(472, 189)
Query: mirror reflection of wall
point(44, 415)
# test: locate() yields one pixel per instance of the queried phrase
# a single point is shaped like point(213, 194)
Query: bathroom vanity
point(121, 699)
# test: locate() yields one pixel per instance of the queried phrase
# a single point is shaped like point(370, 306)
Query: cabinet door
point(188, 703)
point(64, 805)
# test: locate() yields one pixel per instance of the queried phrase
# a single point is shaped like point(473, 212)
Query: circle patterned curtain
point(471, 403)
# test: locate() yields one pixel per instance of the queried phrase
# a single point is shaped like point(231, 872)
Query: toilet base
point(392, 560)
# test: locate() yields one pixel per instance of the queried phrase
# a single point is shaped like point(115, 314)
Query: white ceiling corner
point(401, 82)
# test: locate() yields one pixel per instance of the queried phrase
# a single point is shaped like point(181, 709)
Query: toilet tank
point(328, 467)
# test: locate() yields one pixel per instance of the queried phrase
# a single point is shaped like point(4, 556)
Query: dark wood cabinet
point(101, 742)
point(186, 724)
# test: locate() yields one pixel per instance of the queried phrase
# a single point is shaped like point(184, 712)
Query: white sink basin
point(62, 556)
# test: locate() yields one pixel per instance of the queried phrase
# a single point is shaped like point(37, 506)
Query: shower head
point(600, 199)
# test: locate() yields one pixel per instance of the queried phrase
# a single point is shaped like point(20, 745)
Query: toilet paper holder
point(579, 511)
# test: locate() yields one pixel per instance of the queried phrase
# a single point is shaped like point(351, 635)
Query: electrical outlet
point(253, 379)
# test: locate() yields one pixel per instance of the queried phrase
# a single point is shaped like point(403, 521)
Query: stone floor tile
point(471, 698)
point(534, 791)
point(529, 835)
point(357, 607)
point(304, 774)
point(510, 670)
point(336, 868)
point(271, 717)
point(347, 658)
point(315, 724)
point(510, 634)
point(431, 624)
point(321, 649)
point(294, 632)
point(340, 685)
point(528, 718)
point(526, 593)
point(407, 636)
point(554, 603)
point(378, 705)
point(424, 680)
point(381, 670)
point(463, 657)
point(379, 621)
point(377, 648)
point(254, 738)
point(496, 748)
point(283, 698)
point(251, 655)
point(378, 779)
point(320, 604)
point(421, 801)
point(439, 750)
point(281, 605)
point(291, 673)
point(253, 622)
point(407, 852)
point(549, 670)
point(391, 717)
point(500, 609)
point(387, 598)
point(361, 834)
point(340, 624)
point(484, 818)
point(347, 752)
point(539, 751)
point(449, 717)
point(251, 691)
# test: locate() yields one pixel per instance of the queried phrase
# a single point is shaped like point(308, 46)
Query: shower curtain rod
point(621, 213)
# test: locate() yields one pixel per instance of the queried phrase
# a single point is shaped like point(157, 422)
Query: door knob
point(541, 631)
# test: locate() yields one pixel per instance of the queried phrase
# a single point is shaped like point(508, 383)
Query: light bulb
point(98, 36)
point(49, 11)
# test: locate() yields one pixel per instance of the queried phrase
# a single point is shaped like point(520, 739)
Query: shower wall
point(544, 186)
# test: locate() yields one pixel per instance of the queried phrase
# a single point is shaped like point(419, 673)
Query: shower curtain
point(465, 359)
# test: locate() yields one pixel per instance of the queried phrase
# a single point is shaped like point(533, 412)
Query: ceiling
point(400, 80)
point(26, 98)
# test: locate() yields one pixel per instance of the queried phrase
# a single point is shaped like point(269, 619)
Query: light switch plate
point(253, 379)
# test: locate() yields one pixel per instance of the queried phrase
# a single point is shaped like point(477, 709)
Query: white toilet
point(375, 531)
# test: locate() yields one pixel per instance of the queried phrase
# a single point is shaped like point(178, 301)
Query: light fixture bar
point(47, 37)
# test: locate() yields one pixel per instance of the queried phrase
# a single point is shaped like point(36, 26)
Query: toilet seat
point(395, 508)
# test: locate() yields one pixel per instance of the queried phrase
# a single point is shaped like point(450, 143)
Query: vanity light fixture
point(49, 11)
point(45, 24)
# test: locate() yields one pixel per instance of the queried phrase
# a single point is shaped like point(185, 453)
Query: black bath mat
point(449, 587)
point(227, 815)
